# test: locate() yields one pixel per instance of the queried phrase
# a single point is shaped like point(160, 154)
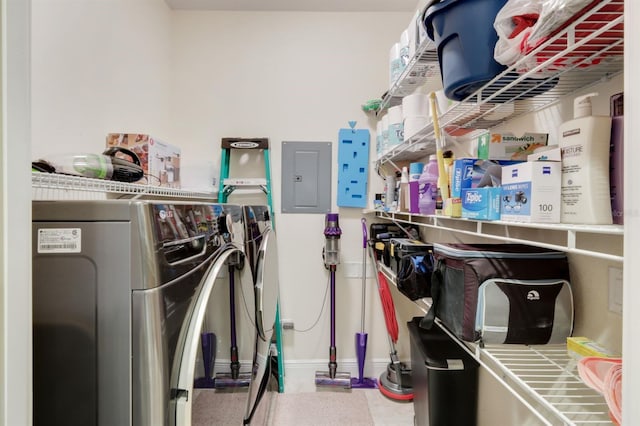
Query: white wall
point(289, 77)
point(98, 66)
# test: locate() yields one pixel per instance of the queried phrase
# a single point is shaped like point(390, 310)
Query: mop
point(331, 259)
point(234, 378)
point(208, 345)
point(361, 338)
point(395, 383)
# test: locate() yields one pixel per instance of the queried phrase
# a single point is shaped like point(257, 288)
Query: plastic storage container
point(445, 378)
point(465, 38)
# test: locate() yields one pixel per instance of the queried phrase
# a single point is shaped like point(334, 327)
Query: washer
point(117, 288)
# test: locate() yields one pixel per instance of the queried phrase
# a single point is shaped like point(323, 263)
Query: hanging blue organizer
point(353, 166)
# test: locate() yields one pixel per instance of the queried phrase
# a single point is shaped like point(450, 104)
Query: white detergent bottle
point(584, 142)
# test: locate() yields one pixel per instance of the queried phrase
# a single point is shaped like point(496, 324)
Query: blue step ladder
point(229, 184)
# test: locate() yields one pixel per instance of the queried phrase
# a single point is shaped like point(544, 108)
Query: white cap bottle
point(584, 142)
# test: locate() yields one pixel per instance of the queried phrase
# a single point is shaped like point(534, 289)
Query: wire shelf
point(422, 67)
point(543, 377)
point(507, 232)
point(586, 51)
point(549, 375)
point(60, 182)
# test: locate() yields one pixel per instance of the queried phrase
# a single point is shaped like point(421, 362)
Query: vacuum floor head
point(341, 380)
point(225, 380)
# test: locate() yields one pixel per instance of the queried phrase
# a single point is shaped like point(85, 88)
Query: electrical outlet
point(287, 324)
point(615, 290)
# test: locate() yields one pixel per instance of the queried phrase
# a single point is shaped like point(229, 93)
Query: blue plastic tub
point(465, 38)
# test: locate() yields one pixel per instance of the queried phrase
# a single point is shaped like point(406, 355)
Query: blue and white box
point(531, 192)
point(475, 173)
point(481, 203)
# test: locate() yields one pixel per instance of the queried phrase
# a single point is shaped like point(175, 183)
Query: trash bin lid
point(439, 350)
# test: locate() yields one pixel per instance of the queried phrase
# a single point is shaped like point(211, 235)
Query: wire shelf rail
point(587, 51)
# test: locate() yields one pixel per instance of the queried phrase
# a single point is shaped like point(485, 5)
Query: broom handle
point(364, 271)
point(443, 181)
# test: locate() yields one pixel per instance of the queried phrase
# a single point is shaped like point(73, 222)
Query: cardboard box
point(531, 192)
point(579, 347)
point(548, 154)
point(507, 146)
point(481, 203)
point(159, 160)
point(476, 173)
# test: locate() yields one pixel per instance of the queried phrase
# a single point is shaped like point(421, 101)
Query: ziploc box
point(476, 173)
point(481, 203)
point(507, 146)
point(160, 161)
point(531, 192)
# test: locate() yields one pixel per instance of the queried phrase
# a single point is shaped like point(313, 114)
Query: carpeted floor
point(212, 407)
point(322, 409)
point(290, 409)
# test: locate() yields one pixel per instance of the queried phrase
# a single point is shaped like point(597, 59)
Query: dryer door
point(263, 384)
point(182, 381)
point(267, 285)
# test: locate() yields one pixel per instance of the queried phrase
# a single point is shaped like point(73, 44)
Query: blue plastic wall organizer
point(353, 166)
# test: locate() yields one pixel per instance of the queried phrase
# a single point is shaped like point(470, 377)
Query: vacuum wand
point(331, 257)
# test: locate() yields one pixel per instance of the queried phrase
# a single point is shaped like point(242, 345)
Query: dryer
point(117, 288)
point(262, 255)
point(260, 269)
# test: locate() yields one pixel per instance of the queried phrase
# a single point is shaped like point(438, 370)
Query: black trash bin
point(445, 379)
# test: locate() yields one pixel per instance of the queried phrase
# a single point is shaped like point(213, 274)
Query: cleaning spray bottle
point(403, 194)
point(428, 187)
point(584, 142)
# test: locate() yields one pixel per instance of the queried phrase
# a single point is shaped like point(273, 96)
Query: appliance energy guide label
point(59, 240)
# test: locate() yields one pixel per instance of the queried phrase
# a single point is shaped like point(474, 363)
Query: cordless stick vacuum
point(361, 338)
point(331, 259)
point(234, 378)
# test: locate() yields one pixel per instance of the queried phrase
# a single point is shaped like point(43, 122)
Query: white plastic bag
point(522, 25)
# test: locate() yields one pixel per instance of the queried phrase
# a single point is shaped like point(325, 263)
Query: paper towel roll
point(396, 127)
point(404, 48)
point(413, 125)
point(415, 105)
point(379, 138)
point(395, 64)
point(385, 133)
point(395, 114)
point(444, 103)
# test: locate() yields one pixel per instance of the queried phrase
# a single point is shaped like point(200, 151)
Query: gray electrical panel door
point(306, 177)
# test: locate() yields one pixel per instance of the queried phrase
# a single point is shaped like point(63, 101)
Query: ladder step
point(245, 182)
point(242, 143)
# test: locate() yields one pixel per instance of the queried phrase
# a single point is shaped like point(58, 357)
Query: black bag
point(414, 275)
point(401, 247)
point(380, 234)
point(501, 293)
